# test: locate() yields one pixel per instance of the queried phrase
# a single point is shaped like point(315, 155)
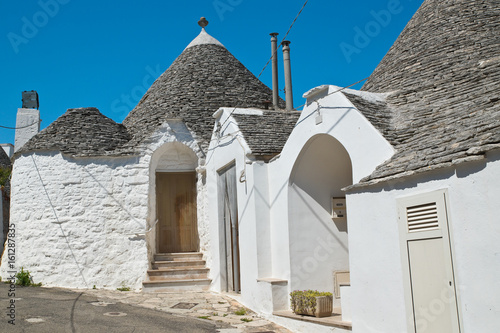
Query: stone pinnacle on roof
point(203, 37)
point(203, 22)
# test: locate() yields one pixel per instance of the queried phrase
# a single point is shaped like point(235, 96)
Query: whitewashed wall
point(82, 222)
point(322, 169)
point(378, 303)
point(76, 219)
point(264, 198)
point(366, 149)
point(228, 147)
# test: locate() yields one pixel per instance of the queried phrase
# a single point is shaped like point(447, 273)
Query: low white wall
point(75, 220)
point(377, 295)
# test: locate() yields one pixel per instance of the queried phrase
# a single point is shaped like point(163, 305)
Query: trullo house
point(95, 202)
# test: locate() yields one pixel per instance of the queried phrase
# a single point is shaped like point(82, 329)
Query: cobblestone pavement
point(203, 305)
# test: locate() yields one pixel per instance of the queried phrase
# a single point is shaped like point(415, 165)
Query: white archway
point(170, 157)
point(318, 245)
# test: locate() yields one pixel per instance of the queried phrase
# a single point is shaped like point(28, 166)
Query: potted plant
point(312, 303)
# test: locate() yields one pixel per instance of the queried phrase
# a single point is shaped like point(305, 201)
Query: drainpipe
point(274, 50)
point(288, 75)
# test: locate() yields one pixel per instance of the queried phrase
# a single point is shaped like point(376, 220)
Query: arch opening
point(318, 243)
point(173, 199)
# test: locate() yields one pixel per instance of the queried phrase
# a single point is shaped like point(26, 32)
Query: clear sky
point(105, 54)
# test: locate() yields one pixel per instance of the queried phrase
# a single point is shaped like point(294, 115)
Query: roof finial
point(203, 22)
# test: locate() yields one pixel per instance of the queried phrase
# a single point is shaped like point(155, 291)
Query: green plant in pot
point(312, 303)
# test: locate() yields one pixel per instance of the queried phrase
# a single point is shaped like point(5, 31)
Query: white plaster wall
point(91, 221)
point(378, 303)
point(76, 220)
point(224, 149)
point(318, 245)
point(366, 148)
point(253, 213)
point(265, 215)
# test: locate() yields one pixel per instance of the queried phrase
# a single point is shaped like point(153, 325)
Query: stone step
point(185, 256)
point(186, 273)
point(175, 285)
point(177, 272)
point(173, 264)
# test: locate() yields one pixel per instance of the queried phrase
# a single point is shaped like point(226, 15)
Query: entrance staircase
point(177, 272)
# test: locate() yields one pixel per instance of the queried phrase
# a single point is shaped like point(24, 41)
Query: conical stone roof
point(80, 132)
point(442, 74)
point(205, 77)
point(445, 38)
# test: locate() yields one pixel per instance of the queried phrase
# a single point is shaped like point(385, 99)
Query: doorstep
point(335, 320)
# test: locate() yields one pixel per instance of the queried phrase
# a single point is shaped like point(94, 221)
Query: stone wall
point(90, 221)
point(76, 220)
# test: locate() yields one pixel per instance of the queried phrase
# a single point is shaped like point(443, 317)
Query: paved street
point(39, 309)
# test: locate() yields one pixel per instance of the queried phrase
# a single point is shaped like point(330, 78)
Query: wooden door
point(176, 211)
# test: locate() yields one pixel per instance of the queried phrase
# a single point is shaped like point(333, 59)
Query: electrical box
point(339, 212)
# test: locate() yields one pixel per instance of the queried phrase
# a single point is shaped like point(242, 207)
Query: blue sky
point(105, 54)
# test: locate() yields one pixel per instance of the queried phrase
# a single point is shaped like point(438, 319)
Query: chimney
point(274, 50)
point(288, 75)
point(28, 119)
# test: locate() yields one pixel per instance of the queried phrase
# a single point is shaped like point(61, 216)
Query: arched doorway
point(176, 199)
point(318, 243)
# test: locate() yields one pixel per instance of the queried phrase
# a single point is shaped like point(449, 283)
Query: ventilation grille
point(422, 217)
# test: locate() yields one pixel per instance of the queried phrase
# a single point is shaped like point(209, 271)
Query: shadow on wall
point(321, 170)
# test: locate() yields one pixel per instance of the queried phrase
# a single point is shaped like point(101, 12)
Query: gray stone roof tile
point(266, 134)
point(378, 112)
point(443, 73)
point(80, 132)
point(201, 80)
